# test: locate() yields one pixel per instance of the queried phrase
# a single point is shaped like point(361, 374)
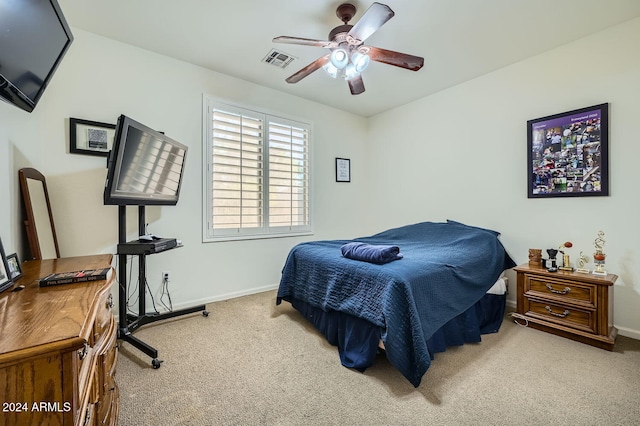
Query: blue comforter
point(447, 267)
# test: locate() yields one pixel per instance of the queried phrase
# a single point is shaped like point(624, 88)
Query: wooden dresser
point(574, 305)
point(58, 348)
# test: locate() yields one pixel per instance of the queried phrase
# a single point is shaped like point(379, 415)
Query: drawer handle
point(552, 290)
point(110, 301)
point(83, 352)
point(87, 417)
point(555, 314)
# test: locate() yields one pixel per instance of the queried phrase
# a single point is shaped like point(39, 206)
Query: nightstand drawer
point(561, 290)
point(581, 319)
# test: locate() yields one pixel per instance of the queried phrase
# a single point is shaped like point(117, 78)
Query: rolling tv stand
point(128, 322)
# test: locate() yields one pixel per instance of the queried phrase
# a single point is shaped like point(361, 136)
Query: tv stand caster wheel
point(205, 313)
point(156, 363)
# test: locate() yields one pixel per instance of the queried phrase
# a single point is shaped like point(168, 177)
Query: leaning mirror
point(41, 231)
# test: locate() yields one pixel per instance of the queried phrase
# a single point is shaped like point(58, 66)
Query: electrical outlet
point(165, 276)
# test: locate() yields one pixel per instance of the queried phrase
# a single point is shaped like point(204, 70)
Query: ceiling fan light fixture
point(331, 69)
point(350, 72)
point(339, 58)
point(360, 61)
point(348, 56)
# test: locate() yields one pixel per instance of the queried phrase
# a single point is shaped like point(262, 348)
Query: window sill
point(224, 238)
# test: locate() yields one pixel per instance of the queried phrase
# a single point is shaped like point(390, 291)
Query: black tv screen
point(34, 36)
point(145, 167)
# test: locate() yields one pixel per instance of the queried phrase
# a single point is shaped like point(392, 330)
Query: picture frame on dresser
point(5, 274)
point(90, 137)
point(568, 154)
point(14, 266)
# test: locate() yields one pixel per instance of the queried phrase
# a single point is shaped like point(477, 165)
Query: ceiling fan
point(349, 56)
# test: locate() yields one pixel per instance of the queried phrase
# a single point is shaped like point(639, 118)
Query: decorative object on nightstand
point(535, 257)
point(566, 263)
point(552, 257)
point(582, 261)
point(568, 304)
point(599, 256)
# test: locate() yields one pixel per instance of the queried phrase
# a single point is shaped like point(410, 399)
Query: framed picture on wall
point(90, 137)
point(343, 170)
point(568, 153)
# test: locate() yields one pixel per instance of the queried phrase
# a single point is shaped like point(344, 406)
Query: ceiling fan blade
point(305, 41)
point(402, 60)
point(313, 66)
point(356, 85)
point(371, 21)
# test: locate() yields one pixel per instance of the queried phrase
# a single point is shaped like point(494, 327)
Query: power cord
point(126, 286)
point(165, 292)
point(516, 316)
point(153, 302)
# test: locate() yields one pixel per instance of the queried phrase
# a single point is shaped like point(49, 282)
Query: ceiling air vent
point(278, 59)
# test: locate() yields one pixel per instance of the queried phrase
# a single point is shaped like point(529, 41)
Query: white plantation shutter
point(288, 175)
point(258, 177)
point(237, 171)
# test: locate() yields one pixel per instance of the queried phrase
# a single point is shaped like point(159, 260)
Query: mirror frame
point(30, 223)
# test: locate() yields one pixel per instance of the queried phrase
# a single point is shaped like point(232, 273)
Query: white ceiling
point(459, 39)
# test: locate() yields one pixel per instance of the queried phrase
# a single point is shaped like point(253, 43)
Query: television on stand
point(145, 168)
point(34, 37)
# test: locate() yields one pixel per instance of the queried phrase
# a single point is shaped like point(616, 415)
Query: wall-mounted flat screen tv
point(34, 36)
point(145, 167)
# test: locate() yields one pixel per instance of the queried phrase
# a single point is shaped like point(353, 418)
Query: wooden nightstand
point(574, 305)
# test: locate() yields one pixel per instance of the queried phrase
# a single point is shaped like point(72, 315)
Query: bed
point(437, 295)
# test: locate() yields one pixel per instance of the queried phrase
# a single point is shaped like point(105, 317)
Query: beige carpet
point(252, 363)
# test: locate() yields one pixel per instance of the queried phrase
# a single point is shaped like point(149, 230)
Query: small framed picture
point(14, 266)
point(90, 137)
point(343, 170)
point(5, 275)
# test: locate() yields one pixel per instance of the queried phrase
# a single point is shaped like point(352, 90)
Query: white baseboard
point(227, 296)
point(628, 332)
point(219, 298)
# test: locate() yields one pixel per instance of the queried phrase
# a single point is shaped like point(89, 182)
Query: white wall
point(461, 154)
point(100, 79)
point(458, 154)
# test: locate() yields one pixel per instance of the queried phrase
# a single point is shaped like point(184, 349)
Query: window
point(257, 174)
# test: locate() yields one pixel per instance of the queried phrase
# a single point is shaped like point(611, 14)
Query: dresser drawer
point(581, 319)
point(84, 362)
point(108, 413)
point(103, 316)
point(561, 290)
point(107, 360)
point(106, 381)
